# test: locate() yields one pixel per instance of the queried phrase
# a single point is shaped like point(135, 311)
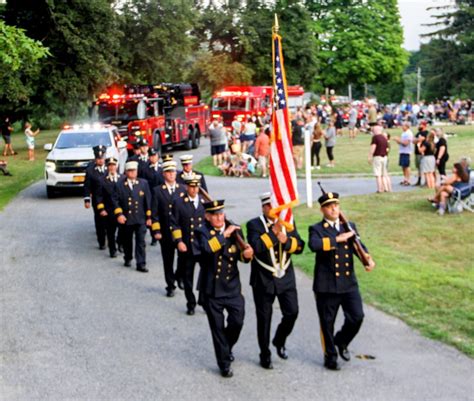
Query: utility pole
point(418, 85)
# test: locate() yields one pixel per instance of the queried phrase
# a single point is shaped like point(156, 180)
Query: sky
point(413, 14)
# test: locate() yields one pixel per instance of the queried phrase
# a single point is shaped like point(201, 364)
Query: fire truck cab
point(245, 101)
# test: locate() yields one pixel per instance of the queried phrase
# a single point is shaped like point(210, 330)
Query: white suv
point(71, 153)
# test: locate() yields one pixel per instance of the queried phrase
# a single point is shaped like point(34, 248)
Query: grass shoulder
point(24, 172)
point(425, 269)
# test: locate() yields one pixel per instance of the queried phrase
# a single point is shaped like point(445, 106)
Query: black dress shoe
point(231, 357)
point(170, 293)
point(266, 363)
point(142, 269)
point(180, 284)
point(127, 263)
point(344, 352)
point(281, 351)
point(153, 242)
point(120, 248)
point(190, 311)
point(113, 254)
point(227, 373)
point(101, 247)
point(331, 365)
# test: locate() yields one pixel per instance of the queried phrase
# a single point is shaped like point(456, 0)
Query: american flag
point(282, 167)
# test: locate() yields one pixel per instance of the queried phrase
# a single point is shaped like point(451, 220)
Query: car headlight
point(50, 165)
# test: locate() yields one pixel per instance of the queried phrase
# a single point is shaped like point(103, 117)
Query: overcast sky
point(413, 14)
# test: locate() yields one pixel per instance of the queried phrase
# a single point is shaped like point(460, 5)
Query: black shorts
point(7, 139)
point(217, 149)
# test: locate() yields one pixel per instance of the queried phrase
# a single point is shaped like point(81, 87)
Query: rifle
point(356, 241)
point(240, 241)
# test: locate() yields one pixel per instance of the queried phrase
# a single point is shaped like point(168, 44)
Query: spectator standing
point(7, 130)
point(420, 137)
point(236, 126)
point(338, 122)
point(441, 152)
point(218, 142)
point(297, 127)
point(405, 145)
point(428, 162)
point(249, 134)
point(30, 140)
point(330, 137)
point(317, 136)
point(372, 115)
point(378, 159)
point(352, 122)
point(262, 149)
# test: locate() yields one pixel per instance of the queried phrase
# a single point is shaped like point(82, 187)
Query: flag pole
point(307, 161)
point(276, 28)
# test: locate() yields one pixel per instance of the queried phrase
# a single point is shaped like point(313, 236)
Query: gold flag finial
point(276, 27)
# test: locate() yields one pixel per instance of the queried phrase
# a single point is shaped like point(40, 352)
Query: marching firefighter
point(106, 206)
point(272, 276)
point(219, 250)
point(132, 208)
point(335, 284)
point(162, 209)
point(95, 172)
point(188, 171)
point(188, 215)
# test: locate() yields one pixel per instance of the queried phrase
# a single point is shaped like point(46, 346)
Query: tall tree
point(82, 37)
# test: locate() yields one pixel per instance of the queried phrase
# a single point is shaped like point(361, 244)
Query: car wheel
point(50, 192)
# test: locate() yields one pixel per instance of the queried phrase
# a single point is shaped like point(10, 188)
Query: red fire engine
point(165, 114)
point(244, 101)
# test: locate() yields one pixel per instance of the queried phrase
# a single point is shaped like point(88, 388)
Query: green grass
point(425, 264)
point(24, 172)
point(351, 155)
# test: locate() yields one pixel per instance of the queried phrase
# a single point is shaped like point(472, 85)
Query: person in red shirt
point(262, 150)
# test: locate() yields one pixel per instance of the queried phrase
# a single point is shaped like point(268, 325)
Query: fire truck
point(165, 114)
point(244, 101)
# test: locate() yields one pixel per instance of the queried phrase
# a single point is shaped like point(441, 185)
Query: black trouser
point(167, 254)
point(327, 306)
point(264, 307)
point(442, 167)
point(315, 149)
point(329, 150)
point(111, 229)
point(127, 241)
point(100, 226)
point(224, 337)
point(185, 271)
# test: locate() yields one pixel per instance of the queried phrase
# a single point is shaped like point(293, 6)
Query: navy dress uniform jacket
point(162, 209)
point(92, 183)
point(105, 194)
point(185, 219)
point(134, 204)
point(152, 175)
point(334, 271)
point(219, 274)
point(263, 243)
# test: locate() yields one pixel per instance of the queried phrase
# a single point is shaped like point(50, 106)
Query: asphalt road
point(77, 325)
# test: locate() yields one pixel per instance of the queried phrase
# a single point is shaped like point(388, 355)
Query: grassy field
point(351, 155)
point(24, 172)
point(425, 264)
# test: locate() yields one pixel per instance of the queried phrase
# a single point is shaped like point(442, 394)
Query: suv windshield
point(83, 140)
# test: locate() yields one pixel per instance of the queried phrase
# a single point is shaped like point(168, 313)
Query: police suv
point(69, 156)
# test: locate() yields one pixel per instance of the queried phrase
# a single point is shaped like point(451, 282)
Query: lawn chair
point(462, 197)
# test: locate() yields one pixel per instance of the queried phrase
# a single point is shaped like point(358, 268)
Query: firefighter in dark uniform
point(95, 171)
point(187, 171)
point(132, 207)
point(162, 209)
point(219, 282)
point(272, 275)
point(335, 283)
point(106, 206)
point(188, 215)
point(151, 171)
point(135, 151)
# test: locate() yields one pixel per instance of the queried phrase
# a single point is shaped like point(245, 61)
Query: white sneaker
point(318, 167)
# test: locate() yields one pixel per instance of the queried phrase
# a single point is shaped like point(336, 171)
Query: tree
point(156, 45)
point(19, 64)
point(361, 41)
point(82, 37)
